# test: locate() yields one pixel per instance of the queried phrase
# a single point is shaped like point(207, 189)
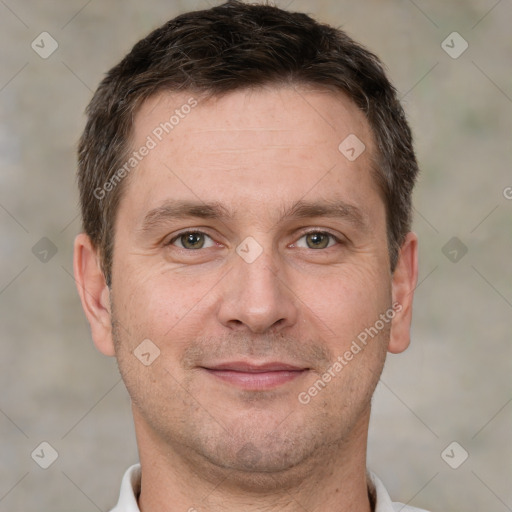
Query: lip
point(252, 376)
point(245, 366)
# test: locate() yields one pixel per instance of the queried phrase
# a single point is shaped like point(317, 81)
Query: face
point(252, 253)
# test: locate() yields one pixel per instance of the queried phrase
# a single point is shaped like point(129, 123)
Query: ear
point(403, 284)
point(94, 293)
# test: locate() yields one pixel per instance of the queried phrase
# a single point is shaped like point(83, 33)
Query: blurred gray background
point(452, 385)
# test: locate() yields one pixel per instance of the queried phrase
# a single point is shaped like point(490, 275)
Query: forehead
point(260, 145)
point(241, 114)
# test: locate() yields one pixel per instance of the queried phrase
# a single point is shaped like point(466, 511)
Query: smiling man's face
point(252, 253)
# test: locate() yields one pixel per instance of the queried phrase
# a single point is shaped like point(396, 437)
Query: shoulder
point(383, 501)
point(130, 489)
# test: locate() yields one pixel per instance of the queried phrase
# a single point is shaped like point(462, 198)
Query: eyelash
point(195, 232)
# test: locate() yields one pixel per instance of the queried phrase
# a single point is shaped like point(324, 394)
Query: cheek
point(348, 300)
point(158, 305)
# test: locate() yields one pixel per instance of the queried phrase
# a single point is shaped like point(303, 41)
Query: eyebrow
point(182, 209)
point(336, 208)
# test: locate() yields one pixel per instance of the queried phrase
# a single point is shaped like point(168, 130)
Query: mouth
point(255, 377)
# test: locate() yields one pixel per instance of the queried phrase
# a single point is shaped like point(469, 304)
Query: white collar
point(130, 489)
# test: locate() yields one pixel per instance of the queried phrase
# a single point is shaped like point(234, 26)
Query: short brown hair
point(236, 46)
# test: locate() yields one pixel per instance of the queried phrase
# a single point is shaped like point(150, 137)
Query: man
point(245, 178)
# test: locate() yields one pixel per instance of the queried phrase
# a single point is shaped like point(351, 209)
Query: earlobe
point(94, 293)
point(404, 282)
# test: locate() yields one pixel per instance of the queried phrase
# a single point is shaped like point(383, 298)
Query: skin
point(203, 442)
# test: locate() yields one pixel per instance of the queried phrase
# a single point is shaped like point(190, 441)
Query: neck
point(175, 478)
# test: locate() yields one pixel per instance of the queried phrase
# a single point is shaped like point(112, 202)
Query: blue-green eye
point(195, 240)
point(318, 240)
point(192, 240)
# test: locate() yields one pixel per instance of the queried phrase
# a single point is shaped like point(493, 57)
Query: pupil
point(318, 240)
point(192, 239)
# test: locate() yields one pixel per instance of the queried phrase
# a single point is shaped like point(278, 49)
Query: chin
point(259, 461)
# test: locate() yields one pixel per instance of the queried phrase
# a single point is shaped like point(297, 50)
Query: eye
point(191, 240)
point(318, 240)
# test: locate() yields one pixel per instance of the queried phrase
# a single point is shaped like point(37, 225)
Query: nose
point(256, 296)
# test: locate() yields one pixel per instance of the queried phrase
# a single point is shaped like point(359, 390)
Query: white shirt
point(130, 489)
